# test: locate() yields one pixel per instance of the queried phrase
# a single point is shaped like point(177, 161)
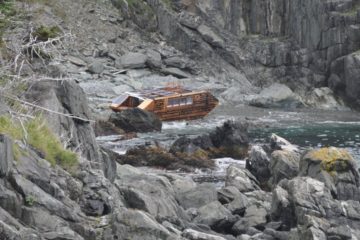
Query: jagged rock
point(176, 62)
point(258, 164)
point(231, 140)
point(228, 194)
point(197, 197)
point(344, 79)
point(214, 215)
point(240, 178)
point(276, 96)
point(210, 36)
point(136, 225)
point(136, 120)
point(238, 205)
point(283, 164)
point(68, 98)
point(255, 216)
point(150, 193)
point(279, 143)
point(195, 235)
point(153, 59)
point(8, 232)
point(6, 156)
point(190, 146)
point(323, 98)
point(175, 72)
point(96, 67)
point(335, 168)
point(132, 61)
point(294, 200)
point(189, 20)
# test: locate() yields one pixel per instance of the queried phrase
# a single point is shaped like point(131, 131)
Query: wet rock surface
point(136, 120)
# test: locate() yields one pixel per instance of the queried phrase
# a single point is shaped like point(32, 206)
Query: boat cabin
point(169, 103)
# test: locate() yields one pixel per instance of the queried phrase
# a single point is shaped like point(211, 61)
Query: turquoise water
point(344, 135)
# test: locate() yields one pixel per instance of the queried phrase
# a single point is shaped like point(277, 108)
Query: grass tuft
point(44, 33)
point(39, 136)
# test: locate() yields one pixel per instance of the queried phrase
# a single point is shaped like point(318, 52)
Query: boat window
point(174, 102)
point(189, 101)
point(182, 101)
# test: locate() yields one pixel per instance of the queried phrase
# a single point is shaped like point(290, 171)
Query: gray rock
point(323, 98)
point(176, 62)
point(231, 139)
point(195, 235)
point(96, 67)
point(8, 232)
point(210, 36)
point(175, 72)
point(238, 205)
point(336, 168)
point(149, 193)
point(240, 178)
point(153, 59)
point(132, 61)
point(212, 214)
point(137, 225)
point(284, 164)
point(255, 216)
point(197, 197)
point(77, 61)
point(276, 96)
point(7, 155)
point(279, 143)
point(228, 194)
point(258, 164)
point(136, 120)
point(68, 98)
point(189, 20)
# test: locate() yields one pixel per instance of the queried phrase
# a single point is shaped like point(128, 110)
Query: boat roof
point(160, 92)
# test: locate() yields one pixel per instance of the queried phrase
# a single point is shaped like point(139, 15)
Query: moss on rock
point(332, 159)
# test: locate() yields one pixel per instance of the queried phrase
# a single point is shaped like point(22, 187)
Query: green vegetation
point(44, 33)
point(168, 3)
point(7, 10)
point(37, 134)
point(30, 200)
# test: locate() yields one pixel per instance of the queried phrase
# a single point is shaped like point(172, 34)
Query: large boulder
point(336, 168)
point(276, 96)
point(241, 178)
point(132, 60)
point(136, 120)
point(198, 196)
point(255, 216)
point(150, 193)
point(231, 140)
point(215, 215)
point(6, 156)
point(136, 225)
point(283, 164)
point(258, 164)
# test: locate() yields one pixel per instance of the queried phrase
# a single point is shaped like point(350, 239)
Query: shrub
point(45, 33)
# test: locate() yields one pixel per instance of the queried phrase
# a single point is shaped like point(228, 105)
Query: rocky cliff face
point(299, 43)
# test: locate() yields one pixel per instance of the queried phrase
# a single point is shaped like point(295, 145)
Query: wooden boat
point(169, 103)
